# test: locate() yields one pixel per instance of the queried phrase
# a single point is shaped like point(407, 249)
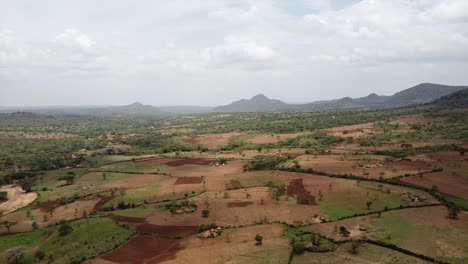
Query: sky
point(212, 52)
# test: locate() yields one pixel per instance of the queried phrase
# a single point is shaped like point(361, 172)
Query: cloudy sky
point(211, 52)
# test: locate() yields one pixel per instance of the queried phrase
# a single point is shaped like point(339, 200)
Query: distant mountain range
point(419, 94)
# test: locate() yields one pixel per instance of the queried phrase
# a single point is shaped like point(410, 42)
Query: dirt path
point(17, 198)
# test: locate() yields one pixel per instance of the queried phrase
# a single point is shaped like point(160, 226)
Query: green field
point(89, 238)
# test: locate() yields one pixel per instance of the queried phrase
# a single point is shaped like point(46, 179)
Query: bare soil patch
point(17, 198)
point(296, 187)
point(48, 206)
point(238, 204)
point(446, 182)
point(101, 202)
point(181, 162)
point(170, 231)
point(128, 219)
point(212, 140)
point(233, 184)
point(189, 180)
point(144, 249)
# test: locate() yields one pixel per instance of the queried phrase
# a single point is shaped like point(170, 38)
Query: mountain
point(135, 108)
point(258, 103)
point(455, 100)
point(419, 94)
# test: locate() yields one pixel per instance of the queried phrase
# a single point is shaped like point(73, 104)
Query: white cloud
point(72, 37)
point(243, 53)
point(192, 42)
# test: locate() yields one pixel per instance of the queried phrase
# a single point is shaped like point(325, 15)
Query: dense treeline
point(35, 154)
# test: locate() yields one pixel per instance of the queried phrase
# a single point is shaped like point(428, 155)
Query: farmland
point(200, 188)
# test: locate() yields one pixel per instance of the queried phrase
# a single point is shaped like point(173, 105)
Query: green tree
point(64, 229)
point(3, 196)
point(259, 239)
point(26, 184)
point(34, 225)
point(205, 212)
point(355, 245)
point(298, 247)
point(69, 177)
point(7, 224)
point(344, 231)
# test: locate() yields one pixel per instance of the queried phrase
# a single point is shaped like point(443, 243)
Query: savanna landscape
point(234, 132)
point(366, 186)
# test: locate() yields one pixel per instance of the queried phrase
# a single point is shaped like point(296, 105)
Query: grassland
point(89, 238)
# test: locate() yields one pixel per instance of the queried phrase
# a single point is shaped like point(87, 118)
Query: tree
point(259, 239)
point(355, 246)
point(65, 229)
point(34, 225)
point(316, 241)
point(69, 177)
point(7, 224)
point(344, 231)
point(453, 212)
point(104, 176)
point(205, 212)
point(298, 247)
point(368, 203)
point(39, 254)
point(26, 184)
point(3, 196)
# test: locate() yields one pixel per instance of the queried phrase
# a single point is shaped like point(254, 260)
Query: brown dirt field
point(128, 219)
point(337, 164)
point(296, 187)
point(358, 130)
point(17, 198)
point(181, 162)
point(170, 231)
point(48, 206)
point(272, 138)
point(368, 254)
point(212, 140)
point(144, 249)
point(447, 183)
point(412, 119)
point(101, 202)
point(238, 204)
point(236, 246)
point(285, 209)
point(65, 212)
point(233, 184)
point(231, 167)
point(157, 160)
point(135, 181)
point(188, 180)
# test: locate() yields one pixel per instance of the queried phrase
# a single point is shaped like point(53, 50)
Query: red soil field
point(192, 139)
point(48, 206)
point(181, 162)
point(238, 204)
point(171, 231)
point(233, 184)
point(188, 180)
point(445, 182)
point(101, 202)
point(144, 249)
point(128, 219)
point(296, 187)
